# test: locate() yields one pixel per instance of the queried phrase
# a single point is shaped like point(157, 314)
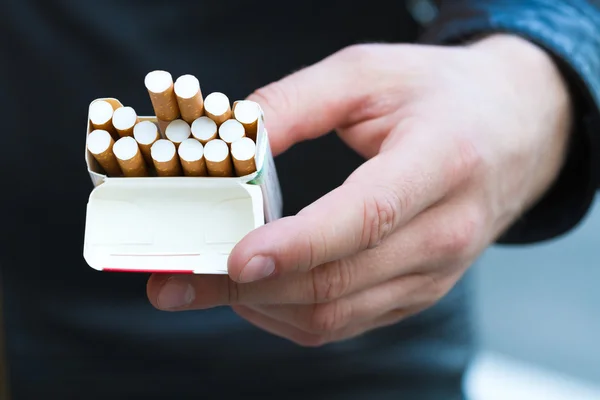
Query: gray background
point(541, 303)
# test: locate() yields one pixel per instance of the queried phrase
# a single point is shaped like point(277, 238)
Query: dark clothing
point(570, 31)
point(73, 332)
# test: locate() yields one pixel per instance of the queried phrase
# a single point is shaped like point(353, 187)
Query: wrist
point(543, 95)
point(532, 68)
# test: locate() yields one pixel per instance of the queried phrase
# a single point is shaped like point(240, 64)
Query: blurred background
point(538, 318)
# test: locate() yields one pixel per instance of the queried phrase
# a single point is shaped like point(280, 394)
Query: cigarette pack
point(179, 224)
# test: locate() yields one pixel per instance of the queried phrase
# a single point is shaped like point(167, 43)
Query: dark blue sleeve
point(569, 31)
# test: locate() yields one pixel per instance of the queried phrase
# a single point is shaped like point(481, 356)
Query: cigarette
point(178, 131)
point(218, 159)
point(231, 130)
point(247, 112)
point(204, 129)
point(101, 115)
point(124, 119)
point(242, 153)
point(191, 154)
point(189, 98)
point(162, 95)
point(146, 133)
point(217, 107)
point(164, 156)
point(100, 144)
point(130, 157)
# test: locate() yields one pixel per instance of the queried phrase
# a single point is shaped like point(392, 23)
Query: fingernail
point(175, 293)
point(258, 267)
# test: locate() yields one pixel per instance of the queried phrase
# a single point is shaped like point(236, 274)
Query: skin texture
point(460, 141)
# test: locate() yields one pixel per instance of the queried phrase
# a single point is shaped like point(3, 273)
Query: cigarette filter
point(162, 95)
point(178, 131)
point(189, 98)
point(217, 107)
point(231, 130)
point(247, 112)
point(242, 154)
point(100, 143)
point(101, 115)
point(204, 129)
point(218, 159)
point(164, 156)
point(124, 119)
point(191, 154)
point(146, 133)
point(130, 157)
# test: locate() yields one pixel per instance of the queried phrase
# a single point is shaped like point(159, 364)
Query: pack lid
point(174, 224)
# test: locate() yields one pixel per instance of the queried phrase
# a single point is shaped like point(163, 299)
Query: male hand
point(459, 142)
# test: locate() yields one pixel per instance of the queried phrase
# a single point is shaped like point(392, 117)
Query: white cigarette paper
point(231, 130)
point(100, 144)
point(146, 133)
point(218, 159)
point(189, 98)
point(178, 131)
point(191, 153)
point(124, 119)
point(162, 95)
point(242, 153)
point(130, 157)
point(217, 107)
point(204, 129)
point(248, 113)
point(164, 156)
point(101, 115)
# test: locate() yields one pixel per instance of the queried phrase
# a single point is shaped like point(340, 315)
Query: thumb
point(382, 195)
point(312, 101)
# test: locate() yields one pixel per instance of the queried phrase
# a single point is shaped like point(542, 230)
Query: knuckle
point(357, 53)
point(461, 239)
point(467, 163)
point(314, 248)
point(311, 248)
point(472, 229)
point(330, 281)
point(377, 55)
point(380, 215)
point(233, 292)
point(328, 318)
point(371, 62)
point(317, 248)
point(457, 240)
point(431, 242)
point(469, 155)
point(362, 60)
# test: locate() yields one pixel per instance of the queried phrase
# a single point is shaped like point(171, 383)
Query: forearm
point(570, 32)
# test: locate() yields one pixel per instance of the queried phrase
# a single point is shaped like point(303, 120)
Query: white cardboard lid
point(169, 224)
point(175, 225)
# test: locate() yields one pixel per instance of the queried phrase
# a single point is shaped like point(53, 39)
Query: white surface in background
point(540, 303)
point(496, 377)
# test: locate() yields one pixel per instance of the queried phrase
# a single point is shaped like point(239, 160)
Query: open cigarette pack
point(175, 192)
